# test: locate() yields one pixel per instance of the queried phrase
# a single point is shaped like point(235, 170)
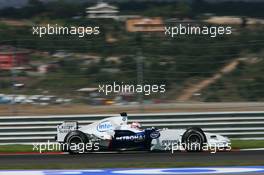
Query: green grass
point(15, 148)
point(18, 148)
point(243, 144)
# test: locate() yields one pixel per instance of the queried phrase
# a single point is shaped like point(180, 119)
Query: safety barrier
point(235, 125)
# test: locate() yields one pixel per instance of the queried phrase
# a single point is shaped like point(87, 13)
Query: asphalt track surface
point(134, 159)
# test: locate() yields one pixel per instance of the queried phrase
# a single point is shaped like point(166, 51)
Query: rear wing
point(64, 128)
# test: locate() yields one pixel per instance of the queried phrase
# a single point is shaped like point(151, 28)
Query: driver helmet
point(136, 125)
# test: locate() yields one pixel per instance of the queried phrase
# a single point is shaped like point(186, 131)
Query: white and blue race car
point(115, 134)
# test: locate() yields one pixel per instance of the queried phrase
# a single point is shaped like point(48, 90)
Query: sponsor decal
point(169, 142)
point(155, 135)
point(136, 138)
point(124, 118)
point(66, 127)
point(104, 126)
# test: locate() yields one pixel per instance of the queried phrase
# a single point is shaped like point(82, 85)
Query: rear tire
point(193, 139)
point(76, 142)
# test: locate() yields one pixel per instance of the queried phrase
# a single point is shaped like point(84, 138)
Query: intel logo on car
point(104, 126)
point(155, 135)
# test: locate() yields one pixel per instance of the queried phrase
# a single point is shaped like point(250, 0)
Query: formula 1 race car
point(115, 134)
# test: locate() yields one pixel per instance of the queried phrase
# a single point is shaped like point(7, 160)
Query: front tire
point(193, 139)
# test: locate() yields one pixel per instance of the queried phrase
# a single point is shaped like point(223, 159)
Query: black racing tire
point(194, 139)
point(77, 138)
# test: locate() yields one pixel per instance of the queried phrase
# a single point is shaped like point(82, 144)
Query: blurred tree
point(35, 3)
point(183, 9)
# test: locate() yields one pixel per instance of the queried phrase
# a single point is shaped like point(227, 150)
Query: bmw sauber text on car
point(116, 134)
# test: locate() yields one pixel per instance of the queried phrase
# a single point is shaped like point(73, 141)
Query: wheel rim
point(194, 142)
point(74, 142)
